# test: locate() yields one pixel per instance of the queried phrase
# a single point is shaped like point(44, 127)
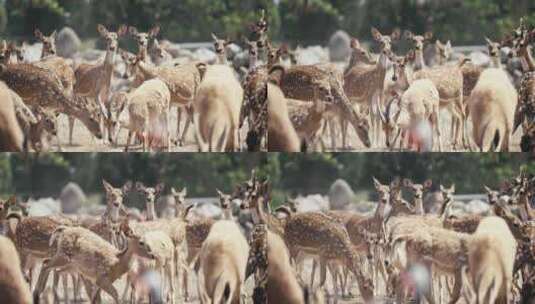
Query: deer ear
point(11, 201)
point(132, 30)
point(355, 43)
point(53, 35)
point(154, 31)
point(442, 189)
point(376, 183)
point(396, 34)
point(214, 36)
point(184, 191)
point(428, 183)
point(38, 34)
point(173, 191)
point(159, 187)
point(219, 192)
point(202, 67)
point(487, 189)
point(107, 185)
point(448, 44)
point(139, 186)
point(452, 188)
point(376, 34)
point(102, 30)
point(408, 35)
point(428, 35)
point(123, 29)
point(127, 187)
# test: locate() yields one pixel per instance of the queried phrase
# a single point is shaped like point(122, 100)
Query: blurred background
point(45, 175)
point(301, 22)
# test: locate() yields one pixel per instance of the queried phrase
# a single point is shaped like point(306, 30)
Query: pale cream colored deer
point(94, 80)
point(13, 287)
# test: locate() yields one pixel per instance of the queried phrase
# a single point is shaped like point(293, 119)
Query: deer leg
point(128, 140)
point(457, 286)
point(57, 261)
point(323, 272)
point(64, 280)
point(313, 273)
point(334, 274)
point(71, 129)
point(107, 285)
point(178, 120)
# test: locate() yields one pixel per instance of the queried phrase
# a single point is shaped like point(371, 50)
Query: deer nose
point(394, 78)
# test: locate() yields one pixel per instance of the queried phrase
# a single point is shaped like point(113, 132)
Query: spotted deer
point(364, 84)
point(443, 52)
point(359, 55)
point(150, 194)
point(46, 91)
point(299, 82)
point(93, 80)
point(12, 285)
point(418, 192)
point(143, 40)
point(220, 46)
point(311, 234)
point(419, 43)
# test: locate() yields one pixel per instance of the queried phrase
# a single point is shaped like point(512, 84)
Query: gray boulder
point(480, 59)
point(67, 42)
point(340, 194)
point(339, 46)
point(72, 197)
point(205, 55)
point(311, 203)
point(311, 55)
point(477, 207)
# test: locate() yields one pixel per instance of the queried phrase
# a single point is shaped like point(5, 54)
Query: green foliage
point(3, 18)
point(296, 21)
point(290, 174)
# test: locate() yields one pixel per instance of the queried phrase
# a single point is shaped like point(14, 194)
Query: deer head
point(383, 191)
point(130, 61)
point(5, 205)
point(418, 40)
point(118, 103)
point(143, 39)
point(220, 45)
point(49, 43)
point(112, 38)
point(158, 50)
point(492, 195)
point(385, 40)
point(150, 193)
point(225, 200)
point(417, 189)
point(444, 51)
point(275, 54)
point(115, 197)
point(493, 47)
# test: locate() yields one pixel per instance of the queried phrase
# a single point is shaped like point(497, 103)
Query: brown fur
point(282, 136)
point(11, 136)
point(13, 287)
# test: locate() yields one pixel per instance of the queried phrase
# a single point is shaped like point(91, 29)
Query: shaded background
point(463, 21)
point(45, 175)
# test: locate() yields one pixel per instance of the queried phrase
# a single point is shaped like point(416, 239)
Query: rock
point(311, 55)
point(233, 50)
point(240, 60)
point(90, 55)
point(33, 52)
point(67, 42)
point(205, 55)
point(340, 194)
point(339, 46)
point(477, 207)
point(480, 59)
point(316, 202)
point(207, 210)
point(72, 197)
point(43, 207)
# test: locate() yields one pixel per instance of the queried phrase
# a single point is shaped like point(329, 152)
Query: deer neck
point(143, 54)
point(151, 211)
point(109, 59)
point(125, 259)
point(527, 60)
point(274, 224)
point(227, 214)
point(222, 59)
point(147, 70)
point(380, 211)
point(406, 79)
point(253, 61)
point(419, 205)
point(526, 211)
point(496, 62)
point(419, 62)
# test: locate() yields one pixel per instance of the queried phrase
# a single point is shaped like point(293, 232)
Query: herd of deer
point(489, 259)
point(386, 98)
